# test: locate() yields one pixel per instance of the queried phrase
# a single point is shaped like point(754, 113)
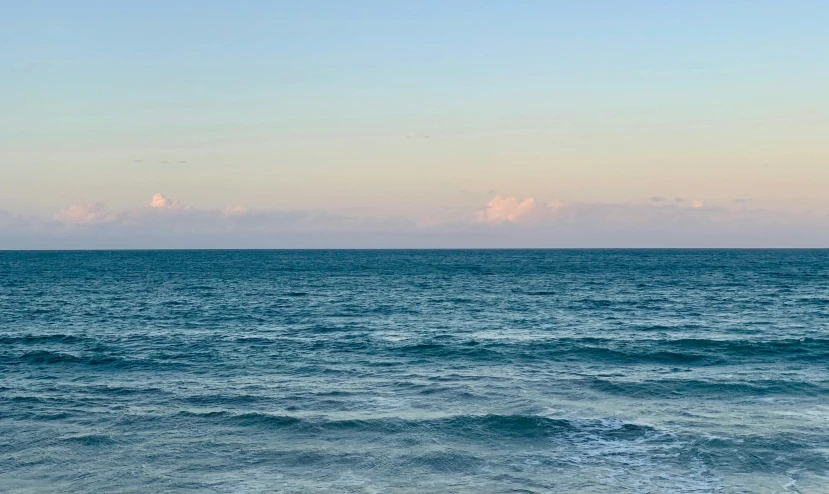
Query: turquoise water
point(647, 371)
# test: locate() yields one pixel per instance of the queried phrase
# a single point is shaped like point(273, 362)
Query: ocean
point(479, 371)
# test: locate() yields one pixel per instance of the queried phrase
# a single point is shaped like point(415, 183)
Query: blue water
point(415, 371)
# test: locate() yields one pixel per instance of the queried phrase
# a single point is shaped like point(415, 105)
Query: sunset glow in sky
point(435, 123)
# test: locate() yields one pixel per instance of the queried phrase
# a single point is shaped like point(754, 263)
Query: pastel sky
point(425, 124)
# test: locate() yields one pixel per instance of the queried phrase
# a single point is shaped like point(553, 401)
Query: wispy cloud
point(12, 221)
point(234, 210)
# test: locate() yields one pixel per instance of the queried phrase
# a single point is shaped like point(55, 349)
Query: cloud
point(502, 209)
point(234, 210)
point(10, 221)
point(502, 221)
point(164, 217)
point(554, 205)
point(160, 201)
point(84, 214)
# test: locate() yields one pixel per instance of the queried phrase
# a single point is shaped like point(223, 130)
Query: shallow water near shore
point(599, 371)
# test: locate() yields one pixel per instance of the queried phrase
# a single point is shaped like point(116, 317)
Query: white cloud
point(84, 214)
point(160, 201)
point(500, 210)
point(505, 209)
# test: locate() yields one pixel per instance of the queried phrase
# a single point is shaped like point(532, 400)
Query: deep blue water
point(641, 371)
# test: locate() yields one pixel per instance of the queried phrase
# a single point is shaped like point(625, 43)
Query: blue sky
point(427, 112)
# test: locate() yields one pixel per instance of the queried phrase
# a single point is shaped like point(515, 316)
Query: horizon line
point(322, 249)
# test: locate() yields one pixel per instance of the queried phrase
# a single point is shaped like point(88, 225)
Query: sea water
point(595, 371)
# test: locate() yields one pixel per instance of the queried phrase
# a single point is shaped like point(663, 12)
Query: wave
point(818, 346)
point(677, 388)
point(33, 339)
point(688, 351)
point(527, 427)
point(223, 399)
point(49, 357)
point(632, 355)
point(93, 440)
point(245, 419)
point(669, 352)
point(95, 359)
point(472, 351)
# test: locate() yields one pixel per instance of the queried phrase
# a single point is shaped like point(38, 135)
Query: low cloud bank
point(502, 222)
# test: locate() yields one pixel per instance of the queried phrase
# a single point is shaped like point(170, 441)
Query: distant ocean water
point(595, 371)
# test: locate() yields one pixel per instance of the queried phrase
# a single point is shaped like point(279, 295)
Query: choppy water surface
point(415, 371)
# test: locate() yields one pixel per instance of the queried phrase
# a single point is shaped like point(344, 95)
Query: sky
point(422, 124)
